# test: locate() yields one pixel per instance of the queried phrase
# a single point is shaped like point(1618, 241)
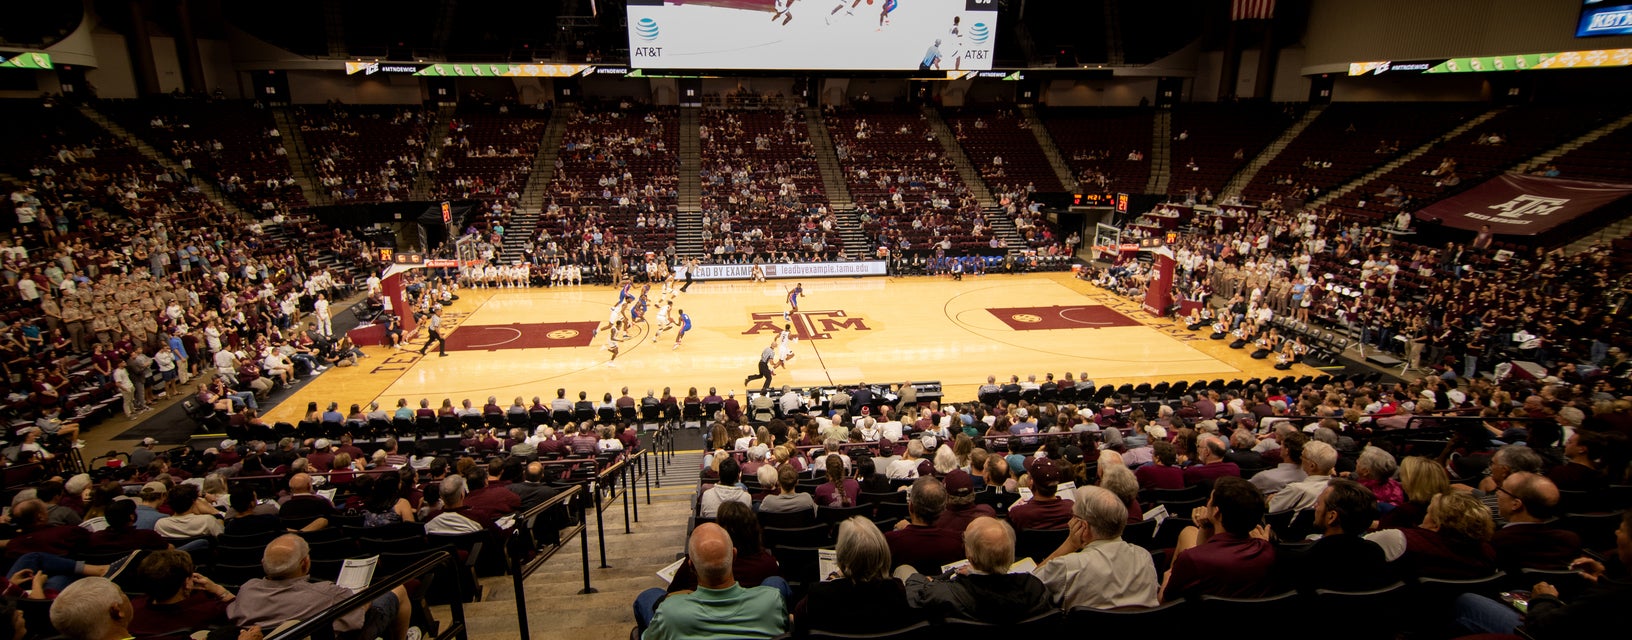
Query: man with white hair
point(92, 609)
point(984, 590)
point(1210, 451)
point(1094, 567)
point(1318, 460)
point(719, 608)
point(907, 467)
point(453, 519)
point(286, 593)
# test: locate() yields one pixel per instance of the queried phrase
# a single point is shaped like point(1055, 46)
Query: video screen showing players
point(859, 35)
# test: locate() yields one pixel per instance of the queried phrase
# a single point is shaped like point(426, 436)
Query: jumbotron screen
point(841, 35)
point(1605, 18)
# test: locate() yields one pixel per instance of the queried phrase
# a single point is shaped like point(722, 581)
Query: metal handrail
point(520, 571)
point(322, 626)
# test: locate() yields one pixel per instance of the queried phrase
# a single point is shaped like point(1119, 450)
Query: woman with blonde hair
point(1452, 543)
point(1420, 479)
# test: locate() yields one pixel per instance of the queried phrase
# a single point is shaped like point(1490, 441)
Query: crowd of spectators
point(1243, 475)
point(615, 193)
point(231, 537)
point(364, 154)
point(1452, 310)
point(124, 282)
point(762, 190)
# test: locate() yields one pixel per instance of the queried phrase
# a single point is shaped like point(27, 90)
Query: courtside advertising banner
point(840, 35)
point(1522, 205)
point(789, 270)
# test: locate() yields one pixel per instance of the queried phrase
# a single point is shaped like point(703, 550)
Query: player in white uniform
point(612, 345)
point(662, 320)
point(955, 38)
point(784, 346)
point(784, 10)
point(615, 320)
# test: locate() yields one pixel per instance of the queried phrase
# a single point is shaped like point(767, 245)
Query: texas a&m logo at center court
point(807, 325)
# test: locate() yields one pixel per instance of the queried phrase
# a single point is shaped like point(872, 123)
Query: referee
point(431, 328)
point(764, 367)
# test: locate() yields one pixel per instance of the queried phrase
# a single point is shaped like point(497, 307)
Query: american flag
point(1252, 9)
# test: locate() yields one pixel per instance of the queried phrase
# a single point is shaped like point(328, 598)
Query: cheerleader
point(1198, 318)
point(1267, 343)
point(1288, 354)
point(1221, 327)
point(1242, 336)
point(758, 272)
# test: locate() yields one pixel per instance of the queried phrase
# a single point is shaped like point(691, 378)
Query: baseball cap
point(1073, 454)
point(229, 443)
point(322, 443)
point(149, 441)
point(1045, 472)
point(958, 483)
point(155, 488)
point(1021, 412)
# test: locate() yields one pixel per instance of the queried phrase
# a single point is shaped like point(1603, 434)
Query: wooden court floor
point(851, 330)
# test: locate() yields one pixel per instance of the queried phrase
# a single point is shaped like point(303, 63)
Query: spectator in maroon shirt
point(488, 503)
point(751, 565)
point(916, 541)
point(1210, 450)
point(961, 508)
point(121, 534)
point(36, 535)
point(1162, 472)
point(1228, 552)
point(550, 443)
point(733, 409)
point(1046, 509)
point(582, 441)
point(177, 598)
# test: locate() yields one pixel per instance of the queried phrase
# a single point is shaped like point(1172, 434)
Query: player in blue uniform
point(638, 313)
point(793, 301)
point(685, 325)
point(623, 293)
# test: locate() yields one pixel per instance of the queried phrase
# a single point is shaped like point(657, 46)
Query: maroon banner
point(1521, 205)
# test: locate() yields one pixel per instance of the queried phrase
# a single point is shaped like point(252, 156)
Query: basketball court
point(529, 342)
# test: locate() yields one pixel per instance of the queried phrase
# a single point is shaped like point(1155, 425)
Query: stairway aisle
point(856, 242)
point(1244, 177)
point(1062, 170)
point(555, 608)
point(691, 161)
point(1403, 158)
point(821, 143)
point(538, 182)
point(966, 169)
point(1161, 141)
point(523, 226)
point(299, 157)
point(429, 163)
